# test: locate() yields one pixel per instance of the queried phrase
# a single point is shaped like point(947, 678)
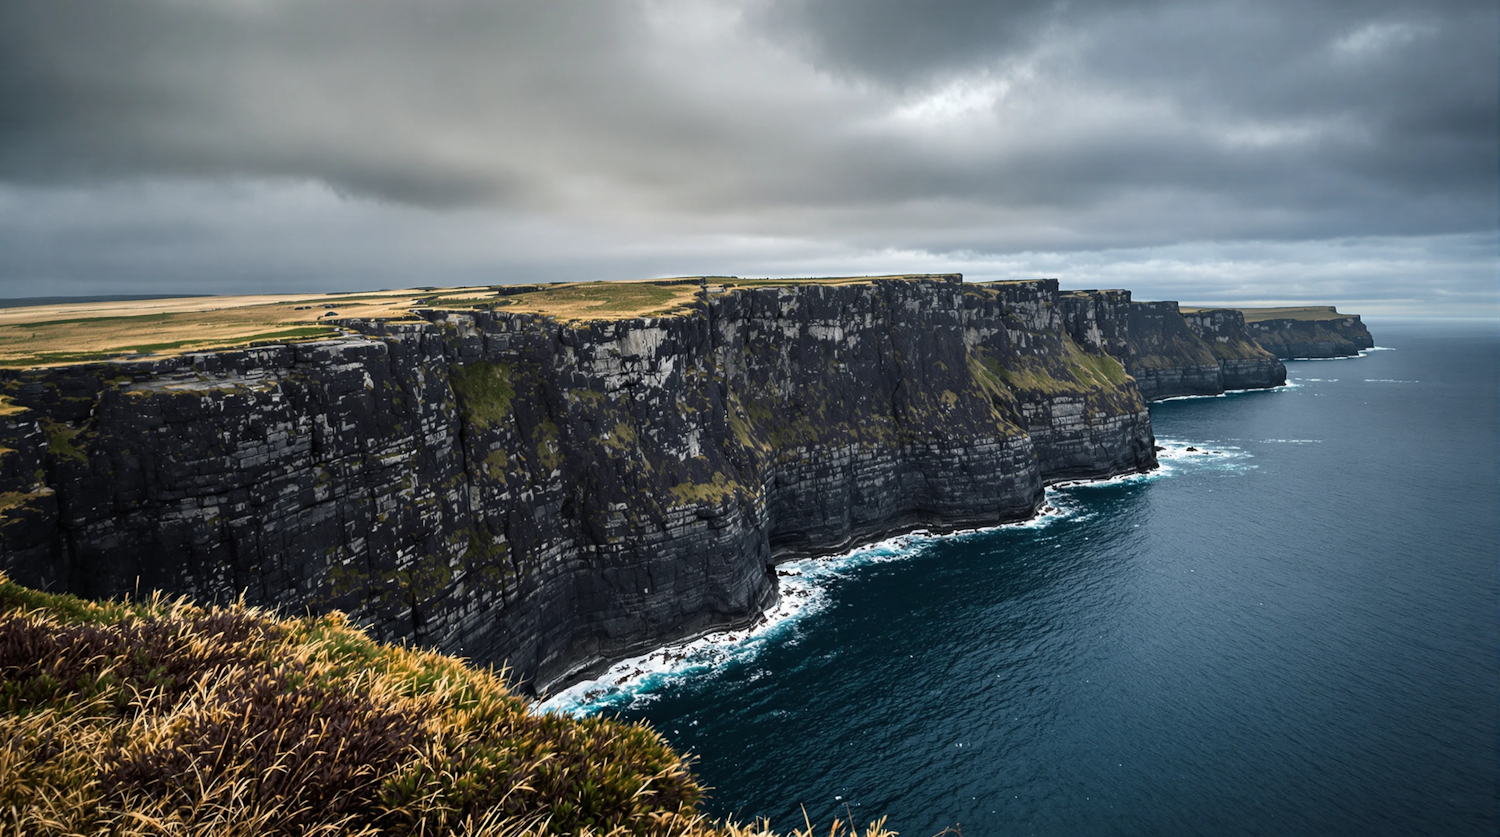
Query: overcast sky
point(1244, 152)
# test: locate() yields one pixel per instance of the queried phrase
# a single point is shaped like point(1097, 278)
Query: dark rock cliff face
point(1243, 364)
point(1166, 357)
point(1205, 352)
point(1341, 335)
point(557, 497)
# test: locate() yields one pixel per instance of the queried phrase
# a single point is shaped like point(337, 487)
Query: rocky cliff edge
point(558, 495)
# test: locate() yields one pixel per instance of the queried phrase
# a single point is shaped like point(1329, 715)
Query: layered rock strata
point(557, 496)
point(1243, 364)
point(1169, 352)
point(1337, 335)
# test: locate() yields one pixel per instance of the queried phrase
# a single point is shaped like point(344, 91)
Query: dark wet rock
point(1340, 335)
point(558, 497)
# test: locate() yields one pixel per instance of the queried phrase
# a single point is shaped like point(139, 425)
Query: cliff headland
point(1316, 331)
point(559, 476)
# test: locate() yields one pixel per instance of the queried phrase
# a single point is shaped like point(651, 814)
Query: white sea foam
point(1359, 354)
point(1189, 397)
point(1176, 454)
point(805, 585)
point(1228, 392)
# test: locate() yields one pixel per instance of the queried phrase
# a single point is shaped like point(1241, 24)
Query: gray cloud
point(653, 135)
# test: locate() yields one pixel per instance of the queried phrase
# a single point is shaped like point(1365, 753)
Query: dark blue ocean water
point(1294, 634)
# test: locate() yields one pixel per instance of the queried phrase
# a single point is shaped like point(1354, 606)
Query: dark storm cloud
point(822, 127)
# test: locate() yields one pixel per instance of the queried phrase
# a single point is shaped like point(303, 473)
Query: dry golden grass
point(1306, 312)
point(48, 335)
point(52, 334)
point(586, 301)
point(164, 718)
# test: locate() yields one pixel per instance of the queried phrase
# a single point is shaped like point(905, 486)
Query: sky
point(1266, 152)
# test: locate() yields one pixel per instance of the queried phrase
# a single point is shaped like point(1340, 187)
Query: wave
point(805, 587)
point(1359, 354)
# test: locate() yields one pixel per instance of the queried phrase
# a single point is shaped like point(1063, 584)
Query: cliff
point(559, 494)
point(1243, 363)
point(1312, 332)
point(1171, 352)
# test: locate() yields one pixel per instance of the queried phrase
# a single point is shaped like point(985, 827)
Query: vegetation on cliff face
point(484, 392)
point(1067, 370)
point(167, 718)
point(1174, 351)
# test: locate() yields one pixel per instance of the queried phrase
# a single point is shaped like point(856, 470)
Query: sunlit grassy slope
point(166, 718)
point(72, 333)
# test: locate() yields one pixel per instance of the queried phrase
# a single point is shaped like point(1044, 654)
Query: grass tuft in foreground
point(164, 718)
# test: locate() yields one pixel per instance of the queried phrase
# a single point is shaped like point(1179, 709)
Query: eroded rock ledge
point(1315, 334)
point(558, 496)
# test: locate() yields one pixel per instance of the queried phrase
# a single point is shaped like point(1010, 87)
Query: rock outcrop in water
point(1313, 334)
point(559, 496)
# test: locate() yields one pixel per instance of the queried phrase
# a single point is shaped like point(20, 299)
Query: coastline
point(802, 593)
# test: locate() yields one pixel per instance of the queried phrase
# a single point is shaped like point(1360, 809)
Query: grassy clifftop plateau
point(1308, 313)
point(166, 718)
point(46, 335)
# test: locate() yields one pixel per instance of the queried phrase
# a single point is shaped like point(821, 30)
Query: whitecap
point(805, 584)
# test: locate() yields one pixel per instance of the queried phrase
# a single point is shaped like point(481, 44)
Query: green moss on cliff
point(1068, 370)
point(14, 503)
point(484, 392)
point(62, 440)
point(714, 492)
point(621, 437)
point(497, 466)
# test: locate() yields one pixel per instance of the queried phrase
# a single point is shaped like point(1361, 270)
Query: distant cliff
point(561, 495)
point(1314, 332)
point(1171, 353)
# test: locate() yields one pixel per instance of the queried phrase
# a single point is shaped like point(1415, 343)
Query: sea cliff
point(555, 495)
point(1312, 332)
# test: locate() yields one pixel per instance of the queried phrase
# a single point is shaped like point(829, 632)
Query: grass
point(12, 500)
point(62, 340)
point(1071, 371)
point(62, 440)
point(47, 335)
point(732, 282)
point(716, 491)
point(51, 335)
point(1307, 312)
point(484, 392)
point(164, 718)
point(584, 301)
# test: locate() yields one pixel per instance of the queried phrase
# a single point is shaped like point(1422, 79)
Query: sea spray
point(805, 585)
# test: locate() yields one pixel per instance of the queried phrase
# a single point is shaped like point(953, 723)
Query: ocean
point(1292, 628)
